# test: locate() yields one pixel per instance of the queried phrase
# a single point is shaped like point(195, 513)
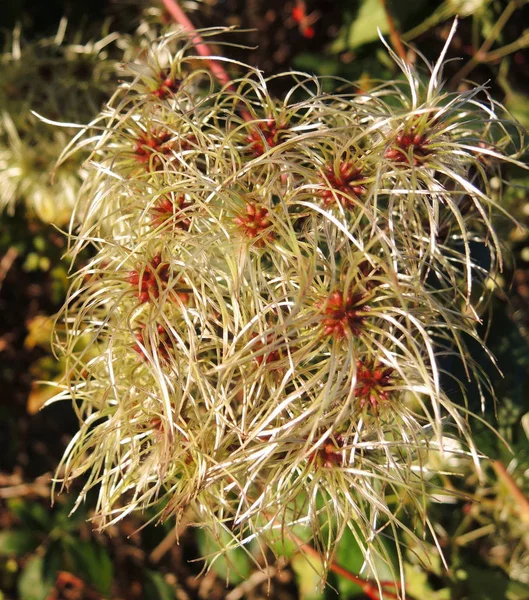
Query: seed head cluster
point(274, 285)
point(60, 81)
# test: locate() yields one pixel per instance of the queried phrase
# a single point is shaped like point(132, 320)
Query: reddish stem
point(394, 34)
point(521, 500)
point(369, 588)
point(202, 48)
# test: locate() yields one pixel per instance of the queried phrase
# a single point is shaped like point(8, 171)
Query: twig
point(203, 49)
point(255, 579)
point(7, 262)
point(519, 497)
point(481, 54)
point(370, 588)
point(11, 486)
point(519, 44)
point(394, 34)
point(169, 540)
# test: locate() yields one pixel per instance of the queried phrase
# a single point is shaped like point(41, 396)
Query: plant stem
point(170, 539)
point(394, 34)
point(481, 55)
point(216, 68)
point(519, 497)
point(7, 262)
point(202, 48)
point(370, 588)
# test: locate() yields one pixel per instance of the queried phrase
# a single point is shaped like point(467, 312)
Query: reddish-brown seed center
point(255, 223)
point(265, 135)
point(408, 144)
point(343, 185)
point(344, 315)
point(372, 382)
point(168, 85)
point(329, 454)
point(153, 279)
point(163, 346)
point(149, 147)
point(173, 209)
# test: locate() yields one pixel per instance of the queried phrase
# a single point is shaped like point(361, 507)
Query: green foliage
point(156, 588)
point(34, 582)
point(232, 565)
point(48, 543)
point(350, 556)
point(511, 351)
point(486, 584)
point(363, 28)
point(17, 543)
point(92, 561)
point(32, 515)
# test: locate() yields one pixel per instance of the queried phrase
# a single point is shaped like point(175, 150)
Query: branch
point(216, 68)
point(170, 539)
point(7, 262)
point(201, 47)
point(394, 36)
point(12, 486)
point(369, 588)
point(521, 500)
point(481, 55)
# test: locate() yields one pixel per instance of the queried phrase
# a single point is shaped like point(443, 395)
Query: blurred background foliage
point(56, 68)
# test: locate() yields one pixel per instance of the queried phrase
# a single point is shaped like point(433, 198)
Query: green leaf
point(233, 565)
point(63, 519)
point(418, 586)
point(309, 571)
point(156, 588)
point(33, 585)
point(364, 28)
point(511, 387)
point(53, 561)
point(349, 556)
point(31, 514)
point(517, 591)
point(17, 543)
point(282, 545)
point(477, 583)
point(317, 63)
point(92, 563)
point(515, 101)
point(485, 584)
